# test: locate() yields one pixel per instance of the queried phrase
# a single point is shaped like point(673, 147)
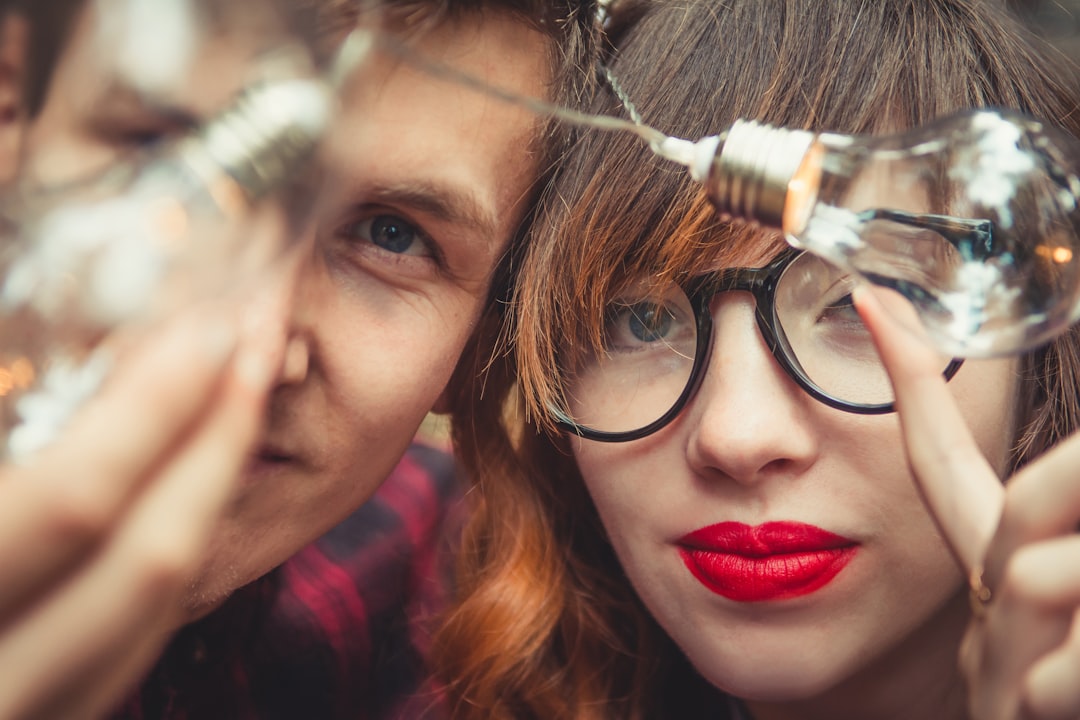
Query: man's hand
point(101, 532)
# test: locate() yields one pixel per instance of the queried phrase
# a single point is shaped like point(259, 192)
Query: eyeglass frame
point(761, 282)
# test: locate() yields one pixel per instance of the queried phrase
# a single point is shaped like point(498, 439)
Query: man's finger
point(59, 665)
point(62, 505)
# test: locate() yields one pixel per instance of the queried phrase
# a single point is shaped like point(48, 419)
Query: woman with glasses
point(700, 503)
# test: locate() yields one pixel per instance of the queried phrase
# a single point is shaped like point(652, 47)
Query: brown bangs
point(593, 237)
point(591, 257)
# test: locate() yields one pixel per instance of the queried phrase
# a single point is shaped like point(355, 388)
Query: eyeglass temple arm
point(973, 238)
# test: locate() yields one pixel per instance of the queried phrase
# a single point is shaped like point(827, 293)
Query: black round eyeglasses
point(658, 341)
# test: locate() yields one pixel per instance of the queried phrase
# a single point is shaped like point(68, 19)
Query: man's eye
point(133, 136)
point(142, 138)
point(391, 233)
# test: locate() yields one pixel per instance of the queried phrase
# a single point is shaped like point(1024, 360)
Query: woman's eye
point(840, 316)
point(391, 233)
point(831, 303)
point(637, 326)
point(840, 309)
point(649, 323)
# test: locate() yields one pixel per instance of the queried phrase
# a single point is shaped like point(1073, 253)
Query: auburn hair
point(545, 624)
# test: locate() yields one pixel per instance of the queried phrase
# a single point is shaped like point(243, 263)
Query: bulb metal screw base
point(752, 169)
point(271, 128)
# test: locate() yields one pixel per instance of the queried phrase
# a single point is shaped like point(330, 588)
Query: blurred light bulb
point(980, 234)
point(151, 42)
point(142, 240)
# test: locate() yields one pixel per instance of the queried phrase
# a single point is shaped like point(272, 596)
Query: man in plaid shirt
point(302, 604)
point(340, 630)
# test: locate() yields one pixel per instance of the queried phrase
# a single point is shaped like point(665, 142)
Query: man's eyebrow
point(444, 202)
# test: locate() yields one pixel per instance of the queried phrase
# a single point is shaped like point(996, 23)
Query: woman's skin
point(1021, 653)
point(878, 638)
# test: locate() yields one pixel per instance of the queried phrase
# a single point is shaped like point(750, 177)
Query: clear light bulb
point(142, 240)
point(980, 233)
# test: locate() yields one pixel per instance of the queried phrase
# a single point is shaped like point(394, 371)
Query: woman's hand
point(101, 532)
point(1017, 542)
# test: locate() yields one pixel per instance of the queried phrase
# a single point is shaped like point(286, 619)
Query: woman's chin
point(774, 680)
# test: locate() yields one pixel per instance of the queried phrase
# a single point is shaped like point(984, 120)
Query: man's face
point(424, 184)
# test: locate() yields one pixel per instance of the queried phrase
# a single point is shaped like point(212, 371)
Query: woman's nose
point(749, 420)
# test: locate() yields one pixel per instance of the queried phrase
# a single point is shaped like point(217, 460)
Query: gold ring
point(979, 594)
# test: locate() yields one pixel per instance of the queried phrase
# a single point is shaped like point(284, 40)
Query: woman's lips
point(774, 561)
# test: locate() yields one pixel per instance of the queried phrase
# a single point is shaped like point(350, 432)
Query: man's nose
point(749, 420)
point(297, 357)
point(285, 281)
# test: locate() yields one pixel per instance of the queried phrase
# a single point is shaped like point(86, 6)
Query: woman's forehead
point(735, 244)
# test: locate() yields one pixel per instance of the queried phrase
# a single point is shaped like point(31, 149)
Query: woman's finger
point(962, 491)
point(1051, 690)
point(1032, 612)
point(1043, 501)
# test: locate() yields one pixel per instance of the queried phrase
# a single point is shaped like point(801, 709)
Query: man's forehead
point(404, 127)
point(455, 162)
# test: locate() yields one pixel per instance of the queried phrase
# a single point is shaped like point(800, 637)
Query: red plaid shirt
point(340, 630)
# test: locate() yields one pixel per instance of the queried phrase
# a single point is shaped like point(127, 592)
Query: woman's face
point(781, 543)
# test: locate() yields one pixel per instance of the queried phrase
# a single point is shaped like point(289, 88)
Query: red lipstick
point(774, 561)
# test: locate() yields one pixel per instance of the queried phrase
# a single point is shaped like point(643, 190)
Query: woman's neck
point(918, 679)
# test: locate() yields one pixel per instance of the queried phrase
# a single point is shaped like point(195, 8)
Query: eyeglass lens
point(651, 342)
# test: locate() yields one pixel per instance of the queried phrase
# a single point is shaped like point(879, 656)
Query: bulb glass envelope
point(983, 235)
point(980, 234)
